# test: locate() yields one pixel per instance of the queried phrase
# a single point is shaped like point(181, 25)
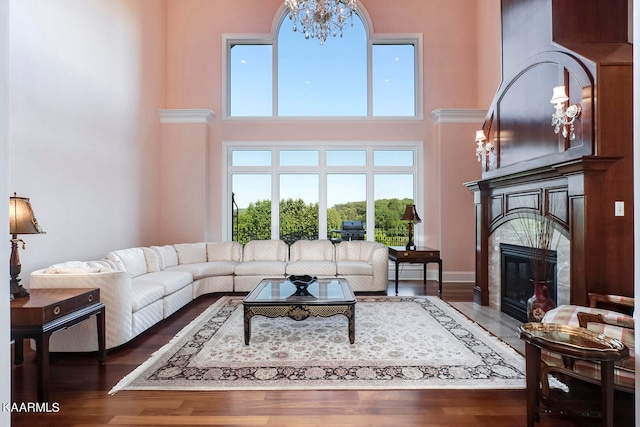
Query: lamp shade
point(21, 217)
point(559, 95)
point(480, 135)
point(410, 214)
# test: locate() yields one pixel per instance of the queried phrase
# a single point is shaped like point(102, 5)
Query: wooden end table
point(575, 343)
point(46, 311)
point(419, 255)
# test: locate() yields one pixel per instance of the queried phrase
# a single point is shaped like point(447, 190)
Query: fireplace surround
point(517, 278)
point(532, 169)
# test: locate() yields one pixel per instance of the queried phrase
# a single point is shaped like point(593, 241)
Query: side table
point(576, 343)
point(419, 255)
point(46, 311)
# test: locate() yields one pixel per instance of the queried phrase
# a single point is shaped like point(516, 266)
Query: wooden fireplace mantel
point(576, 181)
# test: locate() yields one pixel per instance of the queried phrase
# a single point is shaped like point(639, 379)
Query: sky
point(322, 80)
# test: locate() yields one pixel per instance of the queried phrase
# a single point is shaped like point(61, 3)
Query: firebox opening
point(517, 279)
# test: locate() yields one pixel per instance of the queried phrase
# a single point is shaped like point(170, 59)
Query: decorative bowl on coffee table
point(302, 283)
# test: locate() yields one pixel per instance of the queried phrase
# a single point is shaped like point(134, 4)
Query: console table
point(574, 343)
point(419, 255)
point(46, 311)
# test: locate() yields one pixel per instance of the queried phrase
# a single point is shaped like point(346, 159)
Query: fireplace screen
point(517, 279)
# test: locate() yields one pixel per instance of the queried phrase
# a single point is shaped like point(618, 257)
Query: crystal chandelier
point(320, 18)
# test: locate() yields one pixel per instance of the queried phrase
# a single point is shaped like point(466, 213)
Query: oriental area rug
point(401, 343)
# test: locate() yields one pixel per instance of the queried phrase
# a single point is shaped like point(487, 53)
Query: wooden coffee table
point(280, 298)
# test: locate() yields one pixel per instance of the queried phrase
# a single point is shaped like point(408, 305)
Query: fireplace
point(517, 279)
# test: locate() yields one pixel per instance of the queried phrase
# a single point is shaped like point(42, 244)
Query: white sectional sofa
point(142, 286)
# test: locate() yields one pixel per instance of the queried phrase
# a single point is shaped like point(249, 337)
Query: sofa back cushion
point(167, 256)
point(355, 250)
point(191, 253)
point(312, 250)
point(265, 250)
point(224, 251)
point(131, 260)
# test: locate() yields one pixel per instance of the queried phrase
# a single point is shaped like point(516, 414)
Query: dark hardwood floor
point(80, 387)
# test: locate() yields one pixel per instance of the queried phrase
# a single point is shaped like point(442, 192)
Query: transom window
point(304, 190)
point(351, 76)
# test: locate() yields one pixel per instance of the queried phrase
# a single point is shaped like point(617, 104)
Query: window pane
point(252, 193)
point(299, 207)
point(250, 158)
point(346, 158)
point(299, 158)
point(346, 201)
point(392, 192)
point(322, 80)
point(393, 158)
point(251, 77)
point(393, 74)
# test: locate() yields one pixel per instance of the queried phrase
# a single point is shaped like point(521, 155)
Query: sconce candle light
point(561, 117)
point(21, 221)
point(483, 148)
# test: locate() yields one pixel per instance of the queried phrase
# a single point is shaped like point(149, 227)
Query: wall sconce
point(411, 215)
point(561, 117)
point(483, 148)
point(21, 221)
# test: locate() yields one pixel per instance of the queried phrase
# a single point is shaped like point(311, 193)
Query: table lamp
point(21, 221)
point(411, 215)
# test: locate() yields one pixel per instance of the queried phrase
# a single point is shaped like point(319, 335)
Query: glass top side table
point(574, 342)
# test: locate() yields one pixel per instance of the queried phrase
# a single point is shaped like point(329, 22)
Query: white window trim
point(372, 39)
point(274, 170)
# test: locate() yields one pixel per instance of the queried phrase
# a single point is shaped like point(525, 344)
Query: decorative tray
point(573, 336)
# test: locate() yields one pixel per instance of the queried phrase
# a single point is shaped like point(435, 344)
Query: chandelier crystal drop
point(320, 18)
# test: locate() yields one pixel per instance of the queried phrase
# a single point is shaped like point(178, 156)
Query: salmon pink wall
point(86, 79)
point(449, 29)
point(183, 178)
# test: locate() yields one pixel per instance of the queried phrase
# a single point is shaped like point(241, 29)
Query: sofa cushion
point(312, 268)
point(170, 281)
point(266, 250)
point(144, 294)
point(131, 260)
point(153, 259)
point(261, 268)
point(354, 268)
point(189, 253)
point(224, 251)
point(206, 269)
point(355, 250)
point(312, 250)
point(167, 256)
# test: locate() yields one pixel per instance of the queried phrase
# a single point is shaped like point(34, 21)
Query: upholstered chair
point(614, 324)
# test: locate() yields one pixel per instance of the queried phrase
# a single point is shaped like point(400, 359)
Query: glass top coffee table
point(312, 298)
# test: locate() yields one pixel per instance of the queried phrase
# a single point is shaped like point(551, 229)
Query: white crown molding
point(458, 116)
point(186, 116)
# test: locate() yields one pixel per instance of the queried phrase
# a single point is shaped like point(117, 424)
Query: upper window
point(348, 76)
